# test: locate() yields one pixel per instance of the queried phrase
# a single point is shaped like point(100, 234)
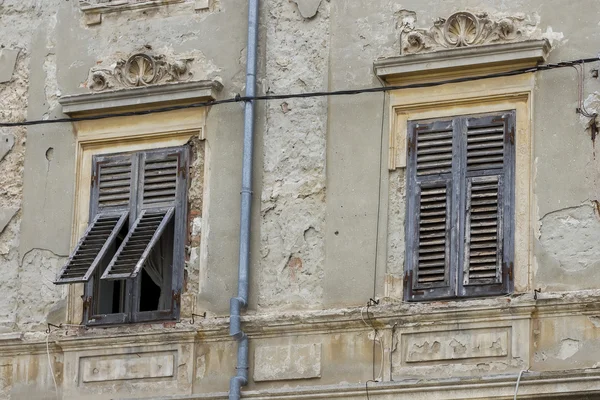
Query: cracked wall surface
point(328, 217)
point(294, 181)
point(567, 249)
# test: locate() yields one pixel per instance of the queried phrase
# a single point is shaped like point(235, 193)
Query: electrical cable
point(379, 188)
point(367, 387)
point(519, 381)
point(238, 98)
point(50, 365)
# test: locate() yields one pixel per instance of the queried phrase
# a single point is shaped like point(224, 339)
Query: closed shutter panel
point(429, 217)
point(110, 197)
point(162, 186)
point(488, 247)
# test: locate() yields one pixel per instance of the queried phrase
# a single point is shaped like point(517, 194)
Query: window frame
point(456, 181)
point(133, 294)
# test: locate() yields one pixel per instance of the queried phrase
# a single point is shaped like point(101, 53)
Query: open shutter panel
point(429, 217)
point(161, 185)
point(109, 209)
point(92, 247)
point(139, 242)
point(487, 252)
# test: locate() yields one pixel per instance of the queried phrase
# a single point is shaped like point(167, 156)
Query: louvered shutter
point(112, 178)
point(161, 193)
point(430, 226)
point(488, 237)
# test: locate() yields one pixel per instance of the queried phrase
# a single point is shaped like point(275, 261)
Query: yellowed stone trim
point(499, 94)
point(122, 134)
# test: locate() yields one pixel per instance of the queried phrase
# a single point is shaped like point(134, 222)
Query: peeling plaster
point(554, 38)
point(6, 215)
point(571, 237)
point(8, 60)
point(568, 348)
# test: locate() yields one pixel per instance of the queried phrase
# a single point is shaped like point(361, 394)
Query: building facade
point(435, 237)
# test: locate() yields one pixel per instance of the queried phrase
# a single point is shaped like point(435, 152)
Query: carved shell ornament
point(140, 70)
point(461, 29)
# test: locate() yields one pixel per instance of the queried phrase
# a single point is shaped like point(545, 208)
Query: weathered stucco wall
point(328, 217)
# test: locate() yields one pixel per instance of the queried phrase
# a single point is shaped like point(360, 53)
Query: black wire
point(367, 386)
point(239, 98)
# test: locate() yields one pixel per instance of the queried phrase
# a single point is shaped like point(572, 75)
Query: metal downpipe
point(240, 302)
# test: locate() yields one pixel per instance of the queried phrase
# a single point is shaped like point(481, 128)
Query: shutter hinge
point(411, 145)
point(510, 268)
point(176, 297)
point(94, 179)
point(87, 303)
point(511, 135)
point(182, 171)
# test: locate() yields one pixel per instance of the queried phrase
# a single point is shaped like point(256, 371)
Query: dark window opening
point(149, 293)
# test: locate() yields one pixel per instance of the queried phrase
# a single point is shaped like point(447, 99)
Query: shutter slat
point(91, 248)
point(137, 245)
point(114, 182)
point(483, 232)
point(485, 147)
point(159, 186)
point(432, 262)
point(434, 151)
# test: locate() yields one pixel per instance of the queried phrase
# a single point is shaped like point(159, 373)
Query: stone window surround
point(475, 97)
point(128, 134)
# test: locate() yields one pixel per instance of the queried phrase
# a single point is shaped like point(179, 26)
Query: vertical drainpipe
point(240, 302)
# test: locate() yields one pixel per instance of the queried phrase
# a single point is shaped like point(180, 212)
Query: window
point(131, 255)
point(460, 207)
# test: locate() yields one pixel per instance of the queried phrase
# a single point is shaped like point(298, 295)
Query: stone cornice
point(273, 324)
point(145, 97)
point(511, 55)
point(572, 384)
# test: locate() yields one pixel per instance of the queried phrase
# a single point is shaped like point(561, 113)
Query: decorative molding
point(94, 9)
point(461, 29)
point(119, 367)
point(507, 55)
point(486, 312)
point(146, 96)
point(140, 70)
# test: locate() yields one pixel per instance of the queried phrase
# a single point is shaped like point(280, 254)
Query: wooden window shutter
point(160, 197)
point(112, 178)
point(487, 257)
point(431, 197)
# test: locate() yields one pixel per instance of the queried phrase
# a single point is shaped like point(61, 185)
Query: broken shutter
point(109, 209)
point(488, 250)
point(429, 225)
point(162, 187)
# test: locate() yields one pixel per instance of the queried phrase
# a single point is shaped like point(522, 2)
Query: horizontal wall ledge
point(446, 62)
point(146, 97)
point(574, 384)
point(274, 324)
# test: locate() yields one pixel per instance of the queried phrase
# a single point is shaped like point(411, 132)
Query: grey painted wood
point(136, 208)
point(483, 152)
